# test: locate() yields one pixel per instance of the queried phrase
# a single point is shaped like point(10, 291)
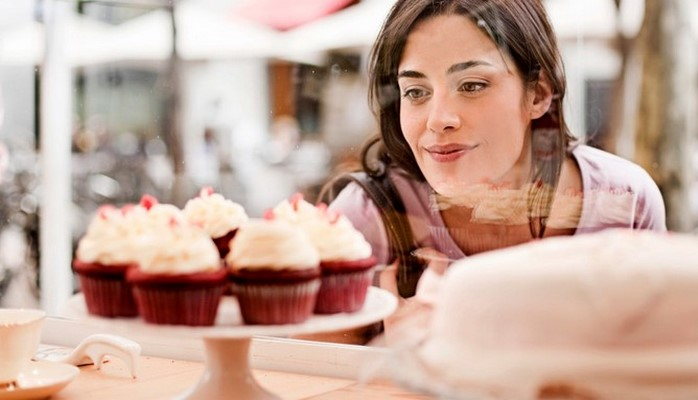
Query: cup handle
point(94, 348)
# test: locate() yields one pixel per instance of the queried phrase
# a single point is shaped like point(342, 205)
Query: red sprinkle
point(206, 191)
point(148, 201)
point(268, 214)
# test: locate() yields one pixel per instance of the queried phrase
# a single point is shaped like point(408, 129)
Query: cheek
point(507, 141)
point(411, 127)
point(509, 128)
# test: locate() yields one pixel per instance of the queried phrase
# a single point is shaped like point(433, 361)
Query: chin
point(453, 187)
point(454, 179)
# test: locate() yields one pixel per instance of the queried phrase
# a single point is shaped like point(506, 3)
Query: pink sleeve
point(603, 172)
point(651, 211)
point(355, 204)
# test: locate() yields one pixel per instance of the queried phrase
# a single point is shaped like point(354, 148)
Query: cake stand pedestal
point(227, 371)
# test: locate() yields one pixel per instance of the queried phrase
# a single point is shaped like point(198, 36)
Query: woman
point(468, 94)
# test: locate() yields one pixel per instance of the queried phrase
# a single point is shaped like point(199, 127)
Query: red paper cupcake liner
point(178, 299)
point(343, 292)
point(275, 304)
point(177, 305)
point(107, 297)
point(106, 292)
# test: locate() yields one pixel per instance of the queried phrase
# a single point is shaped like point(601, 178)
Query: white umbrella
point(22, 45)
point(146, 37)
point(85, 42)
point(353, 27)
point(201, 35)
point(205, 35)
point(590, 18)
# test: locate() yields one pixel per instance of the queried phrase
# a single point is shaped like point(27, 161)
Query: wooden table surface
point(163, 378)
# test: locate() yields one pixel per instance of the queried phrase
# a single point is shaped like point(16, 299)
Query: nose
point(443, 116)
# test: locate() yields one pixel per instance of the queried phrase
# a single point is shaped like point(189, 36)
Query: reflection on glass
point(258, 127)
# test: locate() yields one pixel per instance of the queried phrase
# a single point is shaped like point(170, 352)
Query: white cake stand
point(227, 371)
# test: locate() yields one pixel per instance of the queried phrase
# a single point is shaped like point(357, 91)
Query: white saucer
point(41, 379)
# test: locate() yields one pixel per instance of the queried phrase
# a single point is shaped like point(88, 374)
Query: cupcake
point(346, 260)
point(218, 216)
point(102, 257)
point(275, 273)
point(179, 279)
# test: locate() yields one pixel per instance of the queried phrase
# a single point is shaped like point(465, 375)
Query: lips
point(448, 152)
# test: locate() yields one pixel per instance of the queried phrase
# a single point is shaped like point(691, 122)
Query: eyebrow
point(453, 68)
point(465, 65)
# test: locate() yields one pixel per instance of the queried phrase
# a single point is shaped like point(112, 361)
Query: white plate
point(41, 379)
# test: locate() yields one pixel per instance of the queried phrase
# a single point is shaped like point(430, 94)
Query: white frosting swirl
point(214, 213)
point(109, 238)
point(332, 234)
point(336, 240)
point(295, 210)
point(271, 244)
point(164, 214)
point(177, 249)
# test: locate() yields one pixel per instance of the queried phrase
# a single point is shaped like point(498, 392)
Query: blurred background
point(103, 101)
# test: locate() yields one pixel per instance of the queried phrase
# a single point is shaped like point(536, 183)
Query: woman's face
point(463, 108)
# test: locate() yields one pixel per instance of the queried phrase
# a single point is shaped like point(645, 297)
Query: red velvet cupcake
point(103, 255)
point(179, 279)
point(274, 271)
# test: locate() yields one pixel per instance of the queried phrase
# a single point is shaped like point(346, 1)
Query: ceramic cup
point(20, 333)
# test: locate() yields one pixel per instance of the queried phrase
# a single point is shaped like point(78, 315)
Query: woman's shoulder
point(610, 179)
point(593, 154)
point(603, 169)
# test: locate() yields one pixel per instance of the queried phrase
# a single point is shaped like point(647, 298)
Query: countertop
point(164, 378)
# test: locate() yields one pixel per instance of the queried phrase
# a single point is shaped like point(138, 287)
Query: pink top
point(616, 194)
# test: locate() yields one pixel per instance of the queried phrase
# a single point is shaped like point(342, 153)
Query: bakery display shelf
point(226, 343)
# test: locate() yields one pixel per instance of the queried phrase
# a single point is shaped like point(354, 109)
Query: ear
point(542, 97)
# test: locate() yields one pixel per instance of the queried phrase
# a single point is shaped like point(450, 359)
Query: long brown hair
point(521, 30)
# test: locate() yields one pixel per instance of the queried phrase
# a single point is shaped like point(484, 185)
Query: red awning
point(287, 14)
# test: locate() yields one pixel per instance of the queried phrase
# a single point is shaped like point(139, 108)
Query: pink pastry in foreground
point(607, 315)
point(218, 216)
point(346, 260)
point(275, 273)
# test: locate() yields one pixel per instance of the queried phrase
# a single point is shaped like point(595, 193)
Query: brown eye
point(414, 94)
point(473, 87)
